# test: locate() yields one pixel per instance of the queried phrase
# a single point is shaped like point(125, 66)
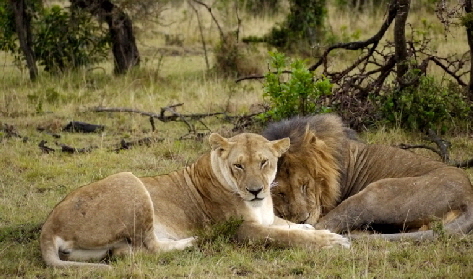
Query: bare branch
point(392, 12)
point(213, 17)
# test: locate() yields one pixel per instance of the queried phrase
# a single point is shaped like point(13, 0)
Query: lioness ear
point(217, 141)
point(281, 146)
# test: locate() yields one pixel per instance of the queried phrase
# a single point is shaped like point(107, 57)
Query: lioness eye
point(238, 166)
point(263, 163)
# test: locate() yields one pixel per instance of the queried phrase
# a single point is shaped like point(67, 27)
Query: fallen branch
point(441, 150)
point(419, 146)
point(44, 148)
point(175, 116)
point(82, 127)
point(116, 147)
point(68, 149)
point(124, 145)
point(10, 131)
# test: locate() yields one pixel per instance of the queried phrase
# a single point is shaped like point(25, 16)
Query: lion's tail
point(464, 223)
point(50, 253)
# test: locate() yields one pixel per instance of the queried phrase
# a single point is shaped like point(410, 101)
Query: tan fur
point(333, 181)
point(121, 212)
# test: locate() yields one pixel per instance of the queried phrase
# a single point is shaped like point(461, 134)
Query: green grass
point(32, 182)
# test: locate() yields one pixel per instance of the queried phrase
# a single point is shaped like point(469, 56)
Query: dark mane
point(328, 127)
point(318, 141)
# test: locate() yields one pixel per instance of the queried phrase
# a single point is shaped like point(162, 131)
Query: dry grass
point(31, 182)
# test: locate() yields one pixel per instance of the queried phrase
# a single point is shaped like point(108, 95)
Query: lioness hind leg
point(168, 245)
point(154, 244)
point(180, 244)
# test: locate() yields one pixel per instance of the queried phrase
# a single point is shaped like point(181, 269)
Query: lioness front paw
point(305, 226)
point(185, 243)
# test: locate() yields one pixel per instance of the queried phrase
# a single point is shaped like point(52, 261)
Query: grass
point(32, 182)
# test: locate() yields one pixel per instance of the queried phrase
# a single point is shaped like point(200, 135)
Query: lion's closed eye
point(304, 188)
point(238, 166)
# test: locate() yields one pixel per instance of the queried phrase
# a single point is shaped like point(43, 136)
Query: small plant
point(301, 94)
point(427, 105)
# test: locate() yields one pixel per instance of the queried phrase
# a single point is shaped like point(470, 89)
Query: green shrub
point(428, 105)
point(7, 28)
point(301, 94)
point(64, 41)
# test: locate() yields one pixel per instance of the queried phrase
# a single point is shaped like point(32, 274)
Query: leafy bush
point(64, 40)
point(428, 105)
point(303, 27)
point(7, 28)
point(301, 94)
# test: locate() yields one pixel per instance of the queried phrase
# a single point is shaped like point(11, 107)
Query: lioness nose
point(255, 191)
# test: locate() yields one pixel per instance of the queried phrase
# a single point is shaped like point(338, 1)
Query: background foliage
point(61, 40)
point(301, 93)
point(67, 41)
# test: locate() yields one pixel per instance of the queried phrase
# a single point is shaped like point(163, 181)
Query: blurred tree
point(23, 30)
point(467, 21)
point(125, 51)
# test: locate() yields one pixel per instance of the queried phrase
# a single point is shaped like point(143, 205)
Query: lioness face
point(247, 163)
point(295, 192)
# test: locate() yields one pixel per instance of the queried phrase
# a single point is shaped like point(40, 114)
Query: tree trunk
point(469, 35)
point(124, 47)
point(23, 30)
point(400, 45)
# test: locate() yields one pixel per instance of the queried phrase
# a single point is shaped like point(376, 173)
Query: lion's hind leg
point(403, 203)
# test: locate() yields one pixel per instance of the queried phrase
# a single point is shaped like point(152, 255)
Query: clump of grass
point(22, 233)
point(224, 232)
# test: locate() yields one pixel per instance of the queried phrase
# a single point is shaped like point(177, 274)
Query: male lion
point(161, 213)
point(332, 181)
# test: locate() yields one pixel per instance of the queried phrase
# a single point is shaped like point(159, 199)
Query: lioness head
point(246, 163)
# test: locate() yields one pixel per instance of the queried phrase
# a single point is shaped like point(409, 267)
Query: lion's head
point(307, 182)
point(247, 163)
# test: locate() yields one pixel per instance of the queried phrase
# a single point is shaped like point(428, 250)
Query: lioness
point(161, 213)
point(329, 180)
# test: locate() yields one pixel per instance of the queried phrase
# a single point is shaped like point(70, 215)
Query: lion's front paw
point(328, 239)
